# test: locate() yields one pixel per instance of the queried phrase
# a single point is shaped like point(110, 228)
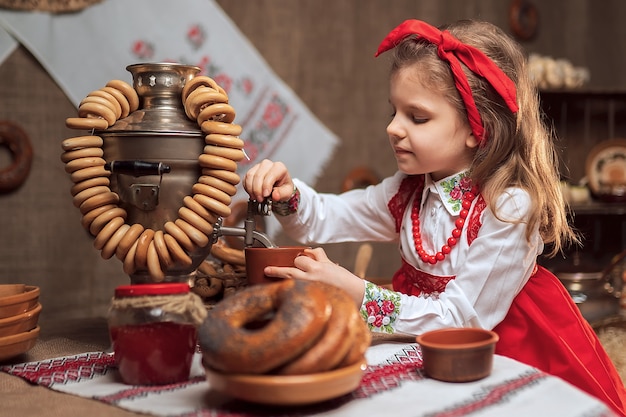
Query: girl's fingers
point(268, 179)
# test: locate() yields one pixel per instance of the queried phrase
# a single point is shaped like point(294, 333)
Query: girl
point(475, 199)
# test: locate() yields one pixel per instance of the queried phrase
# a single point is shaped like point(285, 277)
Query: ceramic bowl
point(17, 299)
point(286, 390)
point(16, 344)
point(458, 354)
point(7, 290)
point(21, 322)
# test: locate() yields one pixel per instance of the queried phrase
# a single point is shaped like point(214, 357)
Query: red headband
point(452, 50)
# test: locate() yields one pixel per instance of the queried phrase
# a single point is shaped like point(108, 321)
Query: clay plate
point(20, 322)
point(11, 346)
point(288, 389)
point(606, 170)
point(19, 302)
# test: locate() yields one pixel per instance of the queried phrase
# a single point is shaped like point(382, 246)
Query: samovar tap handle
point(248, 232)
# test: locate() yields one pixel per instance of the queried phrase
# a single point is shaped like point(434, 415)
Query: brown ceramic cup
point(257, 258)
point(458, 354)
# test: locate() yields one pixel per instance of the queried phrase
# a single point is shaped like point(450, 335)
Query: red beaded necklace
point(466, 203)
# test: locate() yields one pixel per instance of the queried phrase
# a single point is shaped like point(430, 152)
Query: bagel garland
point(138, 247)
point(290, 327)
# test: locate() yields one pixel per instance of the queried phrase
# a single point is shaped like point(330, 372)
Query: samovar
point(150, 164)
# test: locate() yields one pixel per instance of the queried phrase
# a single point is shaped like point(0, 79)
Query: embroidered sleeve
point(380, 308)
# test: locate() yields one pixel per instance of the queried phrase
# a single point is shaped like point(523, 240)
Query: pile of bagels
point(221, 275)
point(136, 246)
point(290, 327)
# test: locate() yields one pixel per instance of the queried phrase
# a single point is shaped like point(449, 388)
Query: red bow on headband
point(452, 50)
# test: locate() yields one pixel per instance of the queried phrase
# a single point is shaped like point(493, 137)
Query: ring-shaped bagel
point(228, 153)
point(200, 80)
point(161, 248)
point(226, 141)
point(141, 253)
point(180, 236)
point(107, 231)
point(128, 91)
point(298, 315)
point(210, 126)
point(80, 198)
point(195, 220)
point(99, 200)
point(334, 343)
point(81, 153)
point(128, 240)
point(212, 192)
point(362, 339)
point(121, 99)
point(117, 107)
point(108, 250)
point(91, 182)
point(201, 98)
point(129, 266)
point(106, 216)
point(15, 139)
point(89, 217)
point(178, 253)
point(87, 173)
point(95, 110)
point(197, 208)
point(217, 162)
point(82, 163)
point(154, 264)
point(221, 112)
point(213, 205)
point(196, 235)
point(86, 123)
point(524, 19)
point(100, 98)
point(221, 185)
point(80, 142)
point(224, 175)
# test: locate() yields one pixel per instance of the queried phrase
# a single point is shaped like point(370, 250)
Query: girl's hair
point(518, 149)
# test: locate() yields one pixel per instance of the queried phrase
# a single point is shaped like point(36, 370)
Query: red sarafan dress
point(543, 328)
point(489, 279)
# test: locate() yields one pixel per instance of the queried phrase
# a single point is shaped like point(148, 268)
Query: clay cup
point(257, 258)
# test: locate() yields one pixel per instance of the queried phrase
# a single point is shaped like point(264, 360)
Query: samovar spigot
point(248, 232)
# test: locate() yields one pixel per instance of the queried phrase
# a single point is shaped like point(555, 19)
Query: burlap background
point(324, 50)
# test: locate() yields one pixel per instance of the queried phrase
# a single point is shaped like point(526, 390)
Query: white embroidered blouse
point(489, 273)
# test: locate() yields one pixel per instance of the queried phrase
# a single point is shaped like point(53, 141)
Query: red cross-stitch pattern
point(63, 370)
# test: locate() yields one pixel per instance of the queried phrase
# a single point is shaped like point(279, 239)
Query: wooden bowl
point(288, 389)
point(458, 354)
point(21, 322)
point(16, 344)
point(19, 299)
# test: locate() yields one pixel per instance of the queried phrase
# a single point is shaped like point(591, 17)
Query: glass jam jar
point(153, 330)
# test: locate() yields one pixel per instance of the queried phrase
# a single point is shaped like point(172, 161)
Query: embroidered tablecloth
point(393, 384)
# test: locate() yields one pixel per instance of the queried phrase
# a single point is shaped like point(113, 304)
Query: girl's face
point(426, 133)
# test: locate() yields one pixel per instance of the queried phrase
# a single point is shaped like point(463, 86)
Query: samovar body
point(153, 156)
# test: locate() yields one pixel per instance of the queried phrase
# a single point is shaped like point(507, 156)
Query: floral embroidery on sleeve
point(380, 308)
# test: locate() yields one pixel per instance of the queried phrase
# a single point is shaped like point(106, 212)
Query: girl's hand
point(314, 265)
point(268, 179)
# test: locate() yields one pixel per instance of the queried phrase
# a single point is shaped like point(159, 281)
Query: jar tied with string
point(153, 330)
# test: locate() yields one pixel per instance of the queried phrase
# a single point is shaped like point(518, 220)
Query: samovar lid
point(159, 87)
